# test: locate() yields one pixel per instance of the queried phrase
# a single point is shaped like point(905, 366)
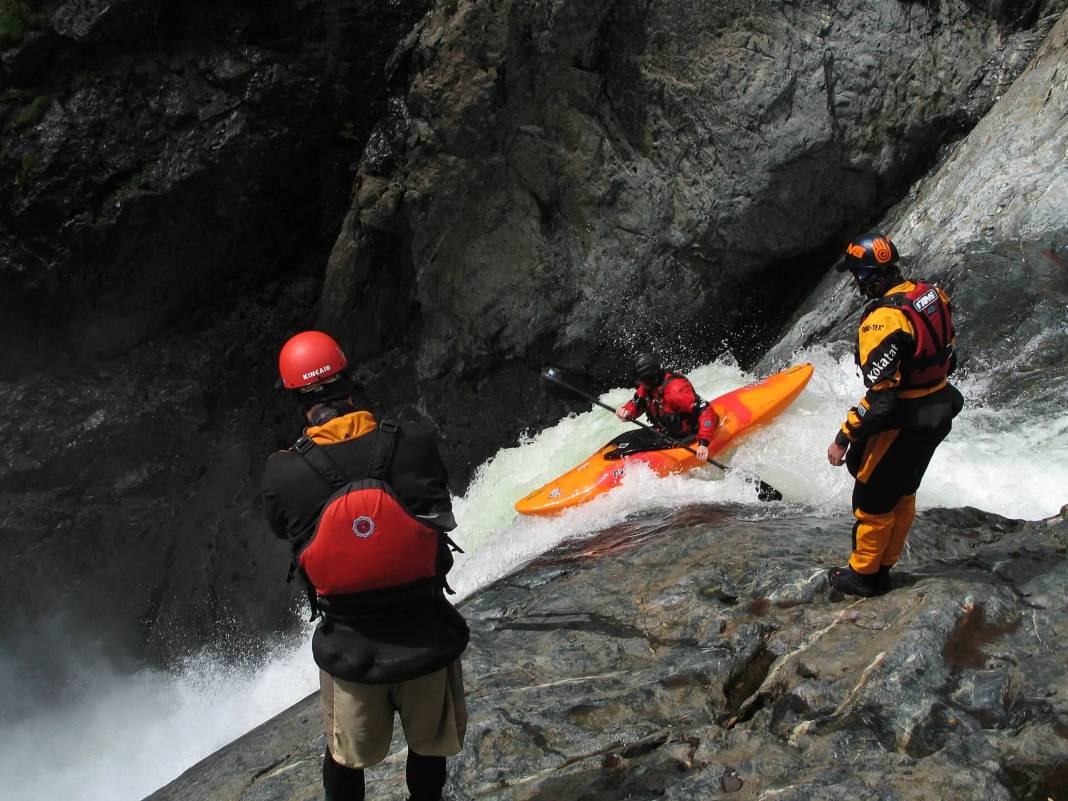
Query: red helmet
point(309, 358)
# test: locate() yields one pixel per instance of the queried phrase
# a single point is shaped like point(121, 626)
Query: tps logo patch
point(363, 527)
point(925, 300)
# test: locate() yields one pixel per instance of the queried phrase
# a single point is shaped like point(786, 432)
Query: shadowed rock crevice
point(744, 684)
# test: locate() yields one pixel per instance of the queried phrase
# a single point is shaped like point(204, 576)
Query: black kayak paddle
point(555, 377)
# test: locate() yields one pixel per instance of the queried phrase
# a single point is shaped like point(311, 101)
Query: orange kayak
point(740, 411)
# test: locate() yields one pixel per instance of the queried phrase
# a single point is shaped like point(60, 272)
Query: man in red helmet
point(905, 351)
point(669, 401)
point(366, 507)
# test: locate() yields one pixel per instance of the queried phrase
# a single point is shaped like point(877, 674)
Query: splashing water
point(129, 735)
point(135, 734)
point(992, 460)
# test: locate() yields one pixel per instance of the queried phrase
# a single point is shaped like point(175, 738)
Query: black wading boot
point(425, 776)
point(882, 579)
point(848, 581)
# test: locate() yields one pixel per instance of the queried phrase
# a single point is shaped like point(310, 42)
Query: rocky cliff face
point(567, 178)
point(160, 158)
point(991, 225)
point(171, 178)
point(673, 173)
point(700, 655)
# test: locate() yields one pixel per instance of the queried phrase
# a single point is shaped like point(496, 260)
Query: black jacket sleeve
point(272, 502)
point(883, 341)
point(420, 480)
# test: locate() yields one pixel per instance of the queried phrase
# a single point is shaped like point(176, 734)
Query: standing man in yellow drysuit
point(905, 351)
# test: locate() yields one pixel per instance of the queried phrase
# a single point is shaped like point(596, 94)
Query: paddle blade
point(766, 492)
point(551, 376)
point(564, 383)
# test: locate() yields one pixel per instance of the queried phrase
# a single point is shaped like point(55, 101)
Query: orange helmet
point(310, 358)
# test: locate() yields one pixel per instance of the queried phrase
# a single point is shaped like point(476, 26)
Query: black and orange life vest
point(364, 538)
point(932, 326)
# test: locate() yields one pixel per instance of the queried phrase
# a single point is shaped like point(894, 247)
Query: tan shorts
point(358, 718)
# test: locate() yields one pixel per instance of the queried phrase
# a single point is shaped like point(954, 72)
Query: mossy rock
point(30, 114)
point(28, 165)
point(16, 17)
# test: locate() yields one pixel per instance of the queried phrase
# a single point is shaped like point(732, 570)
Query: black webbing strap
point(320, 463)
point(944, 349)
point(382, 456)
point(931, 330)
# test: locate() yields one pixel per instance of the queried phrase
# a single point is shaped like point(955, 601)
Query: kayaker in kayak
point(669, 401)
point(905, 351)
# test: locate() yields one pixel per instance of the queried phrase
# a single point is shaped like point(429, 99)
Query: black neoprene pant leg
point(900, 470)
point(425, 776)
point(341, 783)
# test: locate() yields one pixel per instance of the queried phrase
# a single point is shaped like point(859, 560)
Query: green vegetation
point(130, 188)
point(30, 114)
point(15, 18)
point(28, 164)
point(14, 95)
point(12, 22)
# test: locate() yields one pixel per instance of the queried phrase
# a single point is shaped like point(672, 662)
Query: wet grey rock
point(991, 225)
point(606, 671)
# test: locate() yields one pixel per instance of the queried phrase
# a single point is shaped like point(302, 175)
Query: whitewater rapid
point(131, 735)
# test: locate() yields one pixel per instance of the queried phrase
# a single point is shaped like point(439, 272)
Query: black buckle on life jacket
point(388, 426)
point(304, 445)
point(313, 597)
point(313, 603)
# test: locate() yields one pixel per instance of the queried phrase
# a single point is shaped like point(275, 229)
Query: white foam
point(131, 734)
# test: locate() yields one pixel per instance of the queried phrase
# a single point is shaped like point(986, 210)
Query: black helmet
point(873, 251)
point(647, 368)
point(872, 258)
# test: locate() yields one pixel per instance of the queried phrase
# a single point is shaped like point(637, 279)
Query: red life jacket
point(364, 538)
point(932, 324)
point(677, 424)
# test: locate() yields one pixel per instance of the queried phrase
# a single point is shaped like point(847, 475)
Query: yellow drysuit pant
point(888, 468)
